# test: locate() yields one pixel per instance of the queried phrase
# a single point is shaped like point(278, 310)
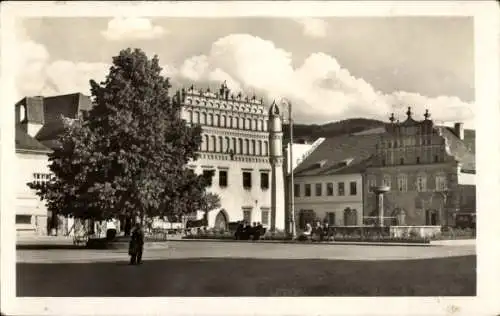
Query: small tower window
point(418, 160)
point(402, 161)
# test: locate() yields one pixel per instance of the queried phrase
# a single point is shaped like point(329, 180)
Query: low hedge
point(449, 233)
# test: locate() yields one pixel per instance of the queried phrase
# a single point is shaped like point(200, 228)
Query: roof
point(26, 142)
point(57, 107)
point(458, 149)
point(34, 109)
point(346, 154)
point(68, 105)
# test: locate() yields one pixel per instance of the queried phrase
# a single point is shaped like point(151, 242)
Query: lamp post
point(292, 185)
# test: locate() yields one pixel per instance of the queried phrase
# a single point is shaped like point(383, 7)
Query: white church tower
point(277, 177)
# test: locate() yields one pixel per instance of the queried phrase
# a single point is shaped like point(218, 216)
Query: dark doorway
point(431, 218)
point(306, 216)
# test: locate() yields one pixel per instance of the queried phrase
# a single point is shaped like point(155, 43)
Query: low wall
point(421, 231)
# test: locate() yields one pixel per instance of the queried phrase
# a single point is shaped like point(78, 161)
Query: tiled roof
point(345, 154)
point(26, 142)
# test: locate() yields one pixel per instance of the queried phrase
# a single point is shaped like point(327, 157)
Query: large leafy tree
point(128, 153)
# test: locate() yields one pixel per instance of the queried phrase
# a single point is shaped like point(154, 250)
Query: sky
point(330, 68)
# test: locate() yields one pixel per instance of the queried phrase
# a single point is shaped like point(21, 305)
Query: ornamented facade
point(242, 147)
point(429, 169)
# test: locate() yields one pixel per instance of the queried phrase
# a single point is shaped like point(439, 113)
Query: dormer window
point(320, 163)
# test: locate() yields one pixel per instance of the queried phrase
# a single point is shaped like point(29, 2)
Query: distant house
point(39, 121)
point(429, 170)
point(328, 183)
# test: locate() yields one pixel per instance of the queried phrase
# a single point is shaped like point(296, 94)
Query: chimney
point(459, 130)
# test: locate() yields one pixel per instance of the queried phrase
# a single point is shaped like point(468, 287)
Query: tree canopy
point(129, 152)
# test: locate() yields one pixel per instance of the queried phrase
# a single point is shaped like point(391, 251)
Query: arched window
point(265, 126)
point(204, 144)
point(223, 121)
point(213, 144)
point(210, 119)
point(259, 125)
point(196, 118)
point(190, 116)
point(247, 147)
point(266, 148)
point(230, 122)
point(234, 145)
point(240, 146)
point(253, 147)
point(421, 182)
point(350, 217)
point(242, 123)
point(203, 118)
point(402, 183)
point(248, 124)
point(235, 122)
point(217, 120)
point(259, 148)
point(220, 145)
point(254, 124)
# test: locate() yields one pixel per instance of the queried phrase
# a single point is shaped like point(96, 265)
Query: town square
point(245, 157)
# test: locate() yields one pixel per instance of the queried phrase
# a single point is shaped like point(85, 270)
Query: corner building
point(429, 169)
point(242, 148)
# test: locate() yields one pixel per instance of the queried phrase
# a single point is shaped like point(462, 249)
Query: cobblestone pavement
point(204, 249)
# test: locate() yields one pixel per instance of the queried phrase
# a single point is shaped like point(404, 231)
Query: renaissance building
point(241, 151)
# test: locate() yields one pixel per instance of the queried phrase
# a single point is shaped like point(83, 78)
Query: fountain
point(380, 191)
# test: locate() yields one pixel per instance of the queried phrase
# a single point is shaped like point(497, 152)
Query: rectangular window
point(331, 218)
point(402, 184)
point(208, 175)
point(247, 215)
point(341, 189)
point(247, 179)
point(41, 178)
point(296, 190)
point(319, 189)
point(387, 181)
point(307, 189)
point(264, 217)
point(441, 184)
point(353, 188)
point(23, 219)
point(421, 184)
point(223, 178)
point(371, 184)
point(264, 180)
point(329, 189)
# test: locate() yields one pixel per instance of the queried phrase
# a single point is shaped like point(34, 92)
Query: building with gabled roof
point(39, 121)
point(429, 169)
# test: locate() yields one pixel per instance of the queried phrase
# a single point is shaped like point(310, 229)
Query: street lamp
point(288, 103)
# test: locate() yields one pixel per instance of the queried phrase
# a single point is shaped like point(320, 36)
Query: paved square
point(190, 268)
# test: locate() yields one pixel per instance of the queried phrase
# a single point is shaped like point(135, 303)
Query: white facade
point(238, 147)
point(330, 199)
point(31, 213)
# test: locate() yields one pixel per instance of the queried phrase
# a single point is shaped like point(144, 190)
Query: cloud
point(131, 28)
point(38, 75)
point(313, 27)
point(320, 88)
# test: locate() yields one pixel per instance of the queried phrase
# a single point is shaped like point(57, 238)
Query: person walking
point(136, 245)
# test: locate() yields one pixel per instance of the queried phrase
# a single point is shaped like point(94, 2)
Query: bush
point(449, 233)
